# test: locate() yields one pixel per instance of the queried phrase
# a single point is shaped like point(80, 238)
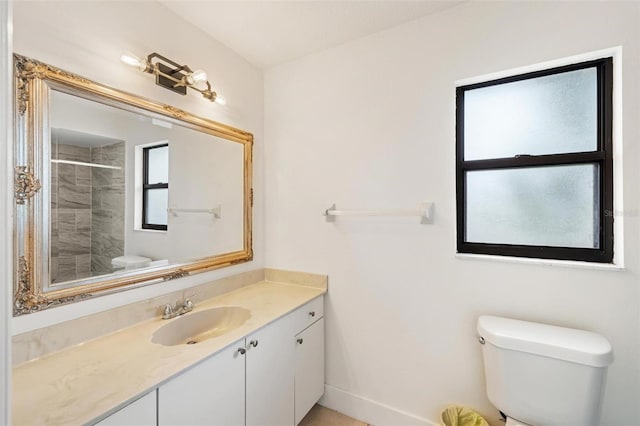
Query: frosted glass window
point(546, 206)
point(158, 165)
point(534, 164)
point(157, 203)
point(545, 115)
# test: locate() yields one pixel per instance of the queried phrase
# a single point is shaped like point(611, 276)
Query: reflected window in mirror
point(155, 189)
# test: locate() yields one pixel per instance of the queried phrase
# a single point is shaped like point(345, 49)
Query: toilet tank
point(542, 374)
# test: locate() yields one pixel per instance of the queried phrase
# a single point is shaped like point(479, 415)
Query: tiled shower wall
point(87, 211)
point(107, 202)
point(70, 214)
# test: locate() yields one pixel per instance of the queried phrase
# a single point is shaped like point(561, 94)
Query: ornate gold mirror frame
point(33, 82)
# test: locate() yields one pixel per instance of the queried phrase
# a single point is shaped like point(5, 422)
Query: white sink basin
point(195, 327)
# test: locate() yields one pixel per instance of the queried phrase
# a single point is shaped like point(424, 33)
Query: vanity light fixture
point(173, 76)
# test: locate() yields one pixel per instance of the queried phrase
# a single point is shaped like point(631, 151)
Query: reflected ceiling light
point(173, 76)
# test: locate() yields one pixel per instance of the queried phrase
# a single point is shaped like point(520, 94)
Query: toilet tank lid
point(579, 346)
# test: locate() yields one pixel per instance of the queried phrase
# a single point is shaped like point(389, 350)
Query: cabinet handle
point(300, 340)
point(241, 351)
point(312, 314)
point(253, 343)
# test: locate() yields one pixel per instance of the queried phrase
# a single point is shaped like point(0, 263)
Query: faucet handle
point(167, 312)
point(188, 304)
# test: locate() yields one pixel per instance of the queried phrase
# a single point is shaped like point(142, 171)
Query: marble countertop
point(78, 385)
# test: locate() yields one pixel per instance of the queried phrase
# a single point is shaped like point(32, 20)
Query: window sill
point(545, 262)
point(156, 231)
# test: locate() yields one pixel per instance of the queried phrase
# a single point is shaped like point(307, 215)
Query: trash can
point(456, 415)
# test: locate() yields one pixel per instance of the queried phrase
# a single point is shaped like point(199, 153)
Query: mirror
point(115, 191)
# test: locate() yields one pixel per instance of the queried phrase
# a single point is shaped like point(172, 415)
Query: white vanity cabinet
point(272, 377)
point(309, 374)
point(284, 377)
point(141, 412)
point(209, 393)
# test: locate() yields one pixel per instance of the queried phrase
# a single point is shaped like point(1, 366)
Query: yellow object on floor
point(461, 416)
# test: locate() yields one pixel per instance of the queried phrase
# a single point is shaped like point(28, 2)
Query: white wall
point(87, 38)
point(6, 98)
point(370, 124)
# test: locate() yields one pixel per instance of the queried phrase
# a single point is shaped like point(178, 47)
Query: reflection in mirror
point(87, 204)
point(116, 175)
point(113, 190)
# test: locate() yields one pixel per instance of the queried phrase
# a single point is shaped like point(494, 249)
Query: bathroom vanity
point(269, 370)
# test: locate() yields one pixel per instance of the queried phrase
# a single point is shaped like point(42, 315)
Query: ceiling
point(267, 33)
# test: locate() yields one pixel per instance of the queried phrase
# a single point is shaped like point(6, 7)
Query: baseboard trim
point(367, 410)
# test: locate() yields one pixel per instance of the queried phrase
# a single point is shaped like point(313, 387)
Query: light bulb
point(220, 100)
point(198, 76)
point(130, 59)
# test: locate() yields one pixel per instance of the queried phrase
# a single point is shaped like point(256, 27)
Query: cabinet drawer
point(309, 313)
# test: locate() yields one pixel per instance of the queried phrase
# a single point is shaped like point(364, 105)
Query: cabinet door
point(211, 393)
point(270, 400)
point(309, 376)
point(141, 412)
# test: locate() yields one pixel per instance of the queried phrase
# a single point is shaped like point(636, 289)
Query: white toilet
point(540, 375)
point(130, 262)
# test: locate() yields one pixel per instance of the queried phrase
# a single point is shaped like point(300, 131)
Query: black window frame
point(603, 156)
point(146, 186)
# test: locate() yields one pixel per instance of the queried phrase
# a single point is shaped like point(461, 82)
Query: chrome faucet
point(180, 308)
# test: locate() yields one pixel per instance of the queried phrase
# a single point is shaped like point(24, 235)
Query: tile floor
point(321, 416)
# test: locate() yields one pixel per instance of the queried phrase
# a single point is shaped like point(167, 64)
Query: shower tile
point(74, 153)
point(54, 244)
point(96, 154)
point(74, 196)
point(83, 175)
point(83, 266)
point(107, 245)
point(74, 244)
point(98, 242)
point(117, 246)
point(53, 271)
point(96, 198)
point(118, 178)
point(54, 185)
point(66, 221)
point(66, 268)
point(66, 175)
point(117, 224)
point(114, 154)
point(113, 198)
point(83, 220)
point(101, 177)
point(100, 265)
point(101, 220)
point(53, 219)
